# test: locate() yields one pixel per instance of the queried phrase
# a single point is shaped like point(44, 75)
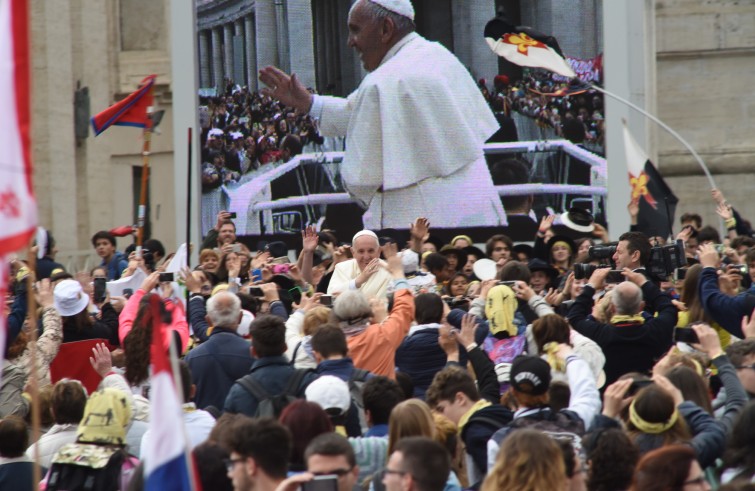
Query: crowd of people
point(388, 360)
point(572, 110)
point(244, 130)
point(382, 363)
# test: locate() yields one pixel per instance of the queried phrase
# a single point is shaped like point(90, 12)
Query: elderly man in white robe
point(414, 127)
point(365, 272)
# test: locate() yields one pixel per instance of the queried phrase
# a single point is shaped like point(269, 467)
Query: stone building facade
point(705, 64)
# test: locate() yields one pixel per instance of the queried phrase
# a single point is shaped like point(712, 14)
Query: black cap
point(530, 375)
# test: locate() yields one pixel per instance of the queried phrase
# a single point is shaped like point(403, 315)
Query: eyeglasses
point(698, 480)
point(744, 367)
point(231, 463)
point(335, 472)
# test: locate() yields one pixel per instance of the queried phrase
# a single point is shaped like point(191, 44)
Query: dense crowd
point(386, 363)
point(572, 110)
point(243, 130)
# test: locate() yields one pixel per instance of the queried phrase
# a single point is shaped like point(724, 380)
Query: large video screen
point(274, 167)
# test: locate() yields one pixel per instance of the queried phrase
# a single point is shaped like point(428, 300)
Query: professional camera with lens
point(665, 259)
point(602, 252)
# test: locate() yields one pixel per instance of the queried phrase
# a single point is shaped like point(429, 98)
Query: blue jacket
point(197, 320)
point(216, 364)
point(272, 372)
point(421, 357)
point(725, 310)
point(338, 368)
point(115, 267)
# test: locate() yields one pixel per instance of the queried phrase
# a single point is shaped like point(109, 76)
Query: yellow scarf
point(623, 318)
point(476, 407)
point(556, 363)
point(651, 428)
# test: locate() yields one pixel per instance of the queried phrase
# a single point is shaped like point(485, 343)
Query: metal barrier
point(252, 199)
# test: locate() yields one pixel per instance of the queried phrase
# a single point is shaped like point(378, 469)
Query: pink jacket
point(179, 324)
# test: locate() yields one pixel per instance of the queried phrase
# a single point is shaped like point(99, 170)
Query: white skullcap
point(400, 7)
point(362, 233)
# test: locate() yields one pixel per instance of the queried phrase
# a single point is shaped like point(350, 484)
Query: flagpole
point(36, 421)
point(188, 208)
point(662, 125)
point(141, 216)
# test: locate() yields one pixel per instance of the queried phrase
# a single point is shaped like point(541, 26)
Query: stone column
point(474, 54)
point(302, 42)
point(265, 28)
point(239, 59)
point(250, 52)
point(217, 58)
point(204, 59)
point(228, 50)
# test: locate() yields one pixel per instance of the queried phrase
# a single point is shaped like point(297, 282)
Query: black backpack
point(559, 425)
point(74, 470)
point(272, 405)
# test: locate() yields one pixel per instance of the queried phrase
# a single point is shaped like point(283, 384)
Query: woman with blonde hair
point(410, 418)
point(528, 460)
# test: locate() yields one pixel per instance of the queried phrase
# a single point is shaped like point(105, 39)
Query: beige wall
point(107, 46)
point(706, 64)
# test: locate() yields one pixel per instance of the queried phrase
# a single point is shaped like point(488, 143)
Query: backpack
point(356, 382)
point(86, 467)
point(559, 425)
point(272, 405)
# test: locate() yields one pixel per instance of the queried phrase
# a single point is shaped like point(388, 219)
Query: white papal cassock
point(414, 131)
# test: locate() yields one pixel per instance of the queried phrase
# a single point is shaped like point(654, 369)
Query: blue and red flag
point(165, 455)
point(131, 111)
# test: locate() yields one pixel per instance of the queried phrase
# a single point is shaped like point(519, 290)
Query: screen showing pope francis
point(370, 114)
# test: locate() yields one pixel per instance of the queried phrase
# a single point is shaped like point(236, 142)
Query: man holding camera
point(632, 251)
point(629, 342)
point(223, 236)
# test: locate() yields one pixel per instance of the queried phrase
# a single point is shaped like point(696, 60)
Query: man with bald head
point(629, 341)
point(366, 272)
point(414, 128)
point(225, 357)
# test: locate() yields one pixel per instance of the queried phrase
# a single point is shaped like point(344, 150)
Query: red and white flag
point(527, 47)
point(18, 209)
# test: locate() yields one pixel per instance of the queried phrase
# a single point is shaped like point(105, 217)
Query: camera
point(740, 269)
point(680, 274)
point(600, 252)
point(582, 271)
point(165, 277)
point(232, 214)
point(665, 259)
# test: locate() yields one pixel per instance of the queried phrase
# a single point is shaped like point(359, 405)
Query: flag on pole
point(131, 111)
point(166, 454)
point(525, 46)
point(656, 200)
point(18, 209)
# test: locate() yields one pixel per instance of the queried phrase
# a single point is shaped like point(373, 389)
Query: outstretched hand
point(285, 88)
